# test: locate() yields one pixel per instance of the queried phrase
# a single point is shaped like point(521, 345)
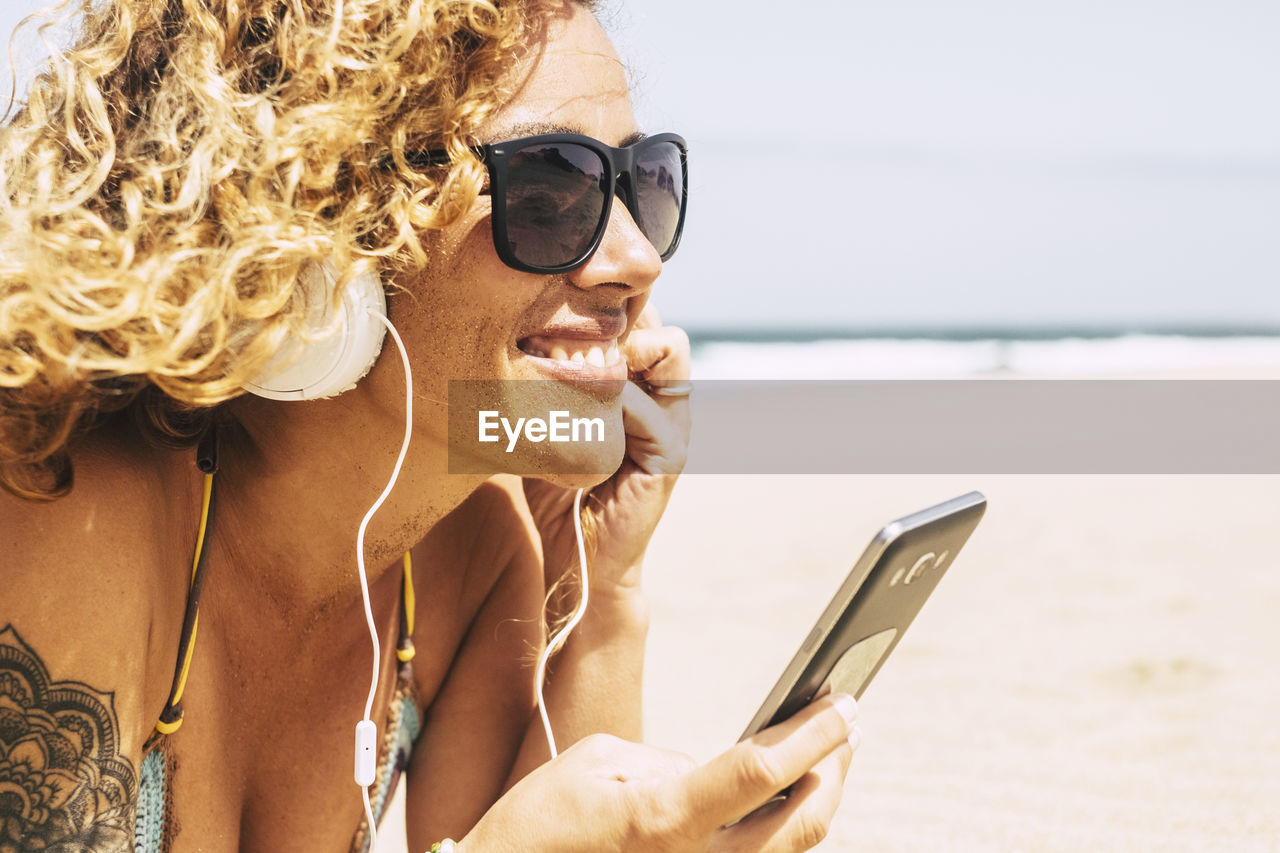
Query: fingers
point(657, 427)
point(801, 821)
point(748, 775)
point(658, 355)
point(657, 442)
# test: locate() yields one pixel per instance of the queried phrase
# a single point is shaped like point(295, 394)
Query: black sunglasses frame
point(620, 176)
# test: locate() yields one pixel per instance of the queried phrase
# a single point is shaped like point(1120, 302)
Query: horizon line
point(700, 334)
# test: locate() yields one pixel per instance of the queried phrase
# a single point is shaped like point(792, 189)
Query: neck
point(296, 479)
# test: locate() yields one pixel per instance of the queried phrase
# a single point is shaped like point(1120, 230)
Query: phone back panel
point(873, 607)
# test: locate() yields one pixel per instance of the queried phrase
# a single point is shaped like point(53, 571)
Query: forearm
point(594, 683)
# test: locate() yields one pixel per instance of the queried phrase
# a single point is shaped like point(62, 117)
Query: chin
point(579, 467)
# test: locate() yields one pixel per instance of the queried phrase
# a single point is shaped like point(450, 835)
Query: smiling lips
point(580, 348)
point(573, 351)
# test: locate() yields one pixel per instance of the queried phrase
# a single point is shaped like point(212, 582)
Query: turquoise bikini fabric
point(149, 832)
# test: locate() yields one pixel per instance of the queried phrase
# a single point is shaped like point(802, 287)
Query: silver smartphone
point(873, 607)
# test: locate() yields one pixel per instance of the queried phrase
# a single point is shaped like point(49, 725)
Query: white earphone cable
point(558, 641)
point(366, 724)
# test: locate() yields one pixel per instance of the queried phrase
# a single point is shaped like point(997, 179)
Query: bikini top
point(154, 829)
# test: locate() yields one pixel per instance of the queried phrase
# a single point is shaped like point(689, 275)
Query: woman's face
point(471, 317)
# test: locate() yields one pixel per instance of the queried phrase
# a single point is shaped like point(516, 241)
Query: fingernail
point(855, 737)
point(848, 707)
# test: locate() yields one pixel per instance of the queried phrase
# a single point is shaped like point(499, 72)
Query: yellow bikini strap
point(404, 648)
point(171, 717)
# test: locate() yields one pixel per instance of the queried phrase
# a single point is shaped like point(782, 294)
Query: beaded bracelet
point(445, 846)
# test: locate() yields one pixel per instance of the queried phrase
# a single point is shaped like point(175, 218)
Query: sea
point(757, 354)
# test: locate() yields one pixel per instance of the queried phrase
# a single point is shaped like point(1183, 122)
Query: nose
point(624, 257)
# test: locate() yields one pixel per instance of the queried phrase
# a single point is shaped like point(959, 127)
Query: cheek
point(464, 308)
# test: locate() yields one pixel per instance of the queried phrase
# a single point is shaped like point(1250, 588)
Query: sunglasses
point(552, 195)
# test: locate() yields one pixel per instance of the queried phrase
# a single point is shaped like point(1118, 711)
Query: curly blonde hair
point(171, 172)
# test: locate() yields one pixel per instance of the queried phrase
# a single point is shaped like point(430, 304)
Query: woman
point(182, 196)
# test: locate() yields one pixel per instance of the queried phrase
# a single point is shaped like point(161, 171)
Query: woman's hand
point(594, 684)
point(628, 505)
point(607, 795)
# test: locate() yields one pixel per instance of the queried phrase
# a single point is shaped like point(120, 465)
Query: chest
point(263, 758)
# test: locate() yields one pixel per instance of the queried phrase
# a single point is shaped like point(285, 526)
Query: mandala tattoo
point(63, 786)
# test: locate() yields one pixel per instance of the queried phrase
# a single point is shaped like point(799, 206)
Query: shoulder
point(498, 500)
point(482, 562)
point(491, 528)
point(101, 537)
point(85, 587)
point(73, 661)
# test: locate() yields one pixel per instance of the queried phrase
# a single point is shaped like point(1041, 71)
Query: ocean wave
point(931, 358)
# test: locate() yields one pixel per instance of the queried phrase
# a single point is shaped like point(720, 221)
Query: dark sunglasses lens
point(660, 192)
point(555, 200)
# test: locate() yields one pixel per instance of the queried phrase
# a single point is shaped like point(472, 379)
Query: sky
point(1015, 164)
point(1020, 163)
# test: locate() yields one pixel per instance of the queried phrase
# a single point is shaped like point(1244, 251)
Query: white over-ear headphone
point(328, 357)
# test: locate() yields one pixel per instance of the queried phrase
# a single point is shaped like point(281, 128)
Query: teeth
point(579, 353)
